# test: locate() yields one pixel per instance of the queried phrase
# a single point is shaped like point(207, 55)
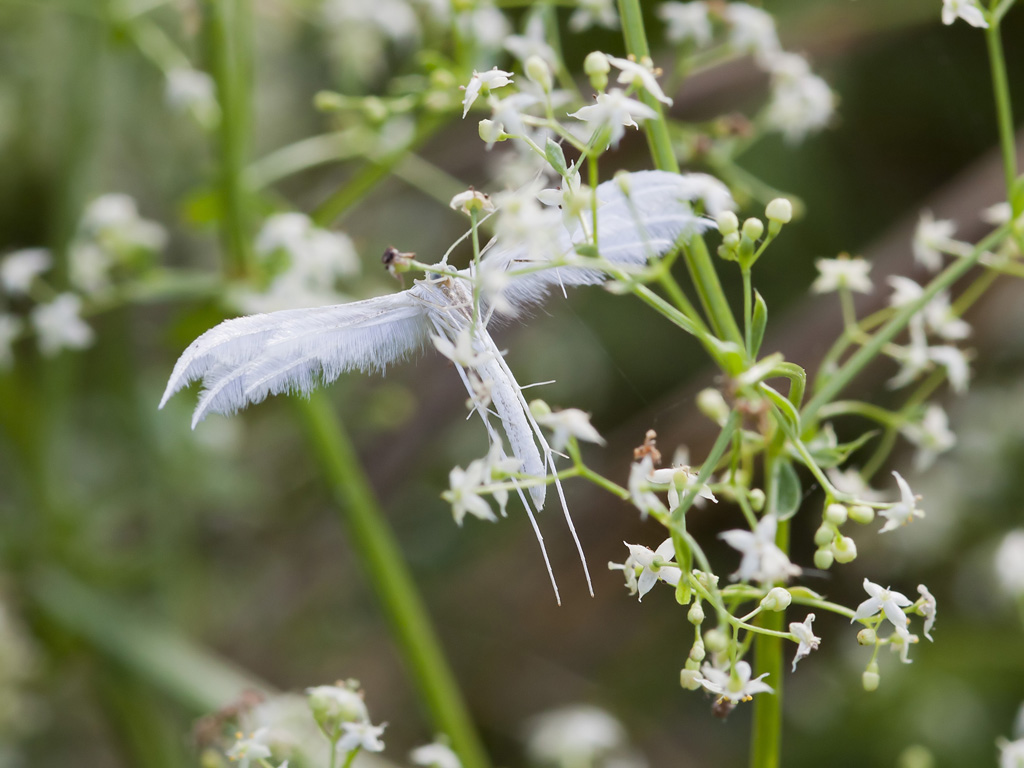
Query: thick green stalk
point(698, 260)
point(375, 544)
point(766, 738)
point(838, 381)
point(1004, 111)
point(228, 49)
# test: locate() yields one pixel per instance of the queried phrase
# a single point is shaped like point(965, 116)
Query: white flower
point(801, 102)
point(931, 238)
point(713, 194)
point(191, 89)
point(753, 31)
point(614, 111)
point(465, 485)
point(575, 200)
point(361, 735)
point(639, 75)
point(928, 609)
point(337, 703)
point(571, 422)
point(1011, 754)
point(834, 274)
point(932, 436)
point(639, 485)
point(89, 268)
point(918, 357)
point(940, 320)
point(686, 21)
point(533, 42)
point(967, 10)
point(591, 13)
point(679, 476)
point(471, 199)
point(19, 269)
point(762, 560)
point(655, 565)
point(997, 214)
point(10, 328)
point(507, 114)
point(489, 80)
point(523, 220)
point(463, 351)
point(59, 325)
point(485, 25)
point(884, 600)
point(575, 735)
point(903, 511)
point(900, 643)
point(850, 481)
point(737, 687)
point(1009, 563)
point(113, 221)
point(808, 642)
point(254, 748)
point(435, 756)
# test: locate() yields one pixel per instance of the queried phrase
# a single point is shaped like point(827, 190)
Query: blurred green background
point(128, 542)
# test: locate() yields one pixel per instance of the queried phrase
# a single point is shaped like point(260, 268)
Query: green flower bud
point(715, 640)
point(870, 679)
point(862, 514)
point(597, 67)
point(867, 636)
point(539, 72)
point(780, 210)
point(824, 535)
point(823, 559)
point(753, 228)
point(491, 131)
point(539, 409)
point(777, 599)
point(845, 549)
point(333, 705)
point(697, 651)
point(712, 404)
point(690, 679)
point(757, 499)
point(835, 514)
point(684, 593)
point(727, 223)
point(696, 613)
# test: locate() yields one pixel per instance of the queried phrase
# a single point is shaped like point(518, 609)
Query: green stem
point(1004, 112)
point(766, 740)
point(838, 381)
point(228, 48)
point(375, 544)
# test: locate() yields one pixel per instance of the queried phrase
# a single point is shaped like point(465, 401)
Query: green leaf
point(555, 157)
point(758, 323)
point(834, 456)
point(788, 491)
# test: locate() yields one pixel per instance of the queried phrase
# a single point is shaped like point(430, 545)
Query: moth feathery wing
point(631, 228)
point(242, 361)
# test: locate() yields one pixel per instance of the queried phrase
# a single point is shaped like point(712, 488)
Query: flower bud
point(779, 210)
point(696, 613)
point(727, 223)
point(333, 705)
point(862, 514)
point(753, 228)
point(777, 599)
point(697, 651)
point(823, 559)
point(712, 404)
point(824, 535)
point(835, 514)
point(715, 640)
point(539, 409)
point(684, 592)
point(597, 67)
point(845, 549)
point(757, 499)
point(539, 72)
point(870, 679)
point(690, 679)
point(491, 131)
point(867, 636)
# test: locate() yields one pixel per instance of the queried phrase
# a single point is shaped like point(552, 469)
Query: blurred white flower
point(808, 642)
point(903, 511)
point(435, 756)
point(640, 75)
point(1011, 754)
point(573, 736)
point(887, 601)
point(752, 31)
point(614, 111)
point(931, 238)
point(480, 81)
point(900, 643)
point(801, 102)
point(851, 482)
point(19, 269)
point(1009, 563)
point(931, 435)
point(485, 25)
point(997, 214)
point(533, 42)
point(594, 13)
point(762, 560)
point(245, 751)
point(361, 735)
point(639, 485)
point(928, 609)
point(113, 221)
point(10, 328)
point(737, 687)
point(967, 10)
point(686, 21)
point(848, 273)
point(193, 90)
point(59, 325)
point(567, 423)
point(89, 268)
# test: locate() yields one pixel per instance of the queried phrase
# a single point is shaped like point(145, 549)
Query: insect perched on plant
point(640, 216)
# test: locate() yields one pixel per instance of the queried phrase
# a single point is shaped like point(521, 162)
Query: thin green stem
point(766, 739)
point(1004, 110)
point(375, 544)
